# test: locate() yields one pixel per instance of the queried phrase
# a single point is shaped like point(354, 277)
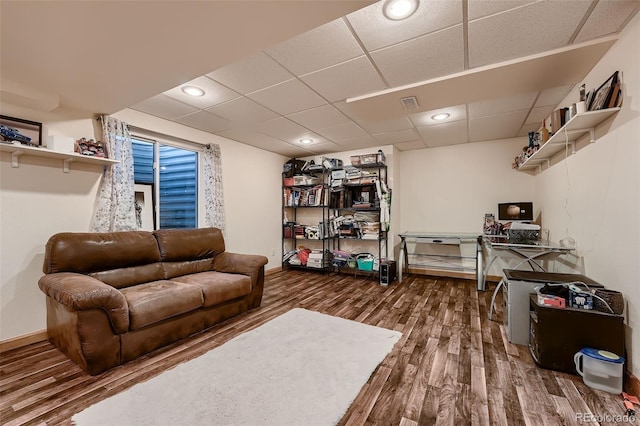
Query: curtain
point(213, 191)
point(115, 203)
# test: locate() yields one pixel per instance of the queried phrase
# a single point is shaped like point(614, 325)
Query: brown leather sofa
point(112, 297)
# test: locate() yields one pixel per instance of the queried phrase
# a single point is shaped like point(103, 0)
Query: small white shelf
point(573, 130)
point(18, 150)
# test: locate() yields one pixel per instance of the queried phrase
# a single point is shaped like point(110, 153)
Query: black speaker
point(387, 272)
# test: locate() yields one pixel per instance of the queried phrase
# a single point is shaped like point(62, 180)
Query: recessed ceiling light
point(193, 91)
point(306, 141)
point(399, 9)
point(441, 116)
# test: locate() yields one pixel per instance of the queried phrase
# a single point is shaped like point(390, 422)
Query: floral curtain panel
point(213, 191)
point(115, 205)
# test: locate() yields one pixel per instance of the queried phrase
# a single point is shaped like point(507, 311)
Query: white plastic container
point(600, 369)
point(60, 143)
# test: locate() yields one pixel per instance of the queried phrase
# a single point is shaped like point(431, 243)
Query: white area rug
point(301, 368)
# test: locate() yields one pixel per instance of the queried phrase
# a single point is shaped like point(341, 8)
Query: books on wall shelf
point(563, 140)
point(305, 197)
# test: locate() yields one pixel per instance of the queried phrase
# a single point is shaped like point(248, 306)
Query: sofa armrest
point(80, 292)
point(237, 263)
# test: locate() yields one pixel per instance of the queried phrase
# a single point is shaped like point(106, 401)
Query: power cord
point(574, 286)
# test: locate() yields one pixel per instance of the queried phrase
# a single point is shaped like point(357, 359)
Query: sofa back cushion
point(188, 251)
point(120, 259)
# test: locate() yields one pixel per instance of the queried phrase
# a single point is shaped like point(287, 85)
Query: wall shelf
point(18, 150)
point(575, 128)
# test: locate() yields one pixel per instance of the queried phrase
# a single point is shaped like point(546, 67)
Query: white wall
point(594, 195)
point(38, 200)
point(450, 188)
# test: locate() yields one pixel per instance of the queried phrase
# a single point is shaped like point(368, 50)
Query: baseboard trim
point(631, 384)
point(24, 340)
point(451, 274)
point(272, 270)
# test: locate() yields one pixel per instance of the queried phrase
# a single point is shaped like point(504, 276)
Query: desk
point(528, 253)
point(440, 238)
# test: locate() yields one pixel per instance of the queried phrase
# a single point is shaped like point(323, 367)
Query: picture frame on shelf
point(20, 131)
point(603, 93)
point(144, 206)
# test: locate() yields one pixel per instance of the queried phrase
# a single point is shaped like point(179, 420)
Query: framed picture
point(17, 130)
point(144, 207)
point(603, 93)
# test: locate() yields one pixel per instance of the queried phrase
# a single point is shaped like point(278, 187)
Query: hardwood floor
point(451, 367)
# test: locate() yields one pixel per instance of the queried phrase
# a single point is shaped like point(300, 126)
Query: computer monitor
point(515, 211)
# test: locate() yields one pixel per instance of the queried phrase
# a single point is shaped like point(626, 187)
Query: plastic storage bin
point(365, 262)
point(600, 369)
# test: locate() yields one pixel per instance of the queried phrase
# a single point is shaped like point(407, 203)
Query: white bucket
point(600, 369)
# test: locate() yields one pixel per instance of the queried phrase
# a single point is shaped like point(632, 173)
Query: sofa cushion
point(176, 269)
point(156, 301)
point(86, 252)
point(133, 275)
point(218, 287)
point(178, 245)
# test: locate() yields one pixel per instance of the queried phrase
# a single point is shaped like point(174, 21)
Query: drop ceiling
point(340, 83)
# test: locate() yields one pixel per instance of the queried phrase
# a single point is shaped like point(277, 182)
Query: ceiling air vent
point(410, 102)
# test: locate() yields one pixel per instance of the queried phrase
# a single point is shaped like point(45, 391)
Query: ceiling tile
point(553, 96)
point(523, 31)
point(343, 132)
point(348, 110)
point(214, 93)
point(324, 147)
point(397, 136)
point(281, 128)
point(348, 79)
point(359, 143)
point(499, 106)
point(482, 8)
point(375, 31)
point(384, 126)
point(288, 131)
point(164, 107)
point(264, 142)
point(410, 146)
point(456, 113)
point(538, 114)
point(607, 18)
point(288, 97)
point(206, 121)
point(444, 134)
point(319, 48)
point(426, 57)
point(501, 126)
point(319, 118)
point(242, 111)
point(254, 73)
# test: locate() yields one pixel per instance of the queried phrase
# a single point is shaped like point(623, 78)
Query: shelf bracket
point(65, 164)
point(573, 147)
point(15, 155)
point(590, 130)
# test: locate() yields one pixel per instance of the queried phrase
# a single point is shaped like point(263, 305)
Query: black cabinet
point(556, 334)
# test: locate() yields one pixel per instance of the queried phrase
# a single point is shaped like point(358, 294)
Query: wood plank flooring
point(452, 365)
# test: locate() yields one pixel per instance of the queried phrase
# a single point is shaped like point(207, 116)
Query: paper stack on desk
point(527, 226)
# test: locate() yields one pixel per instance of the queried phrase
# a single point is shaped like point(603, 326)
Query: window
point(174, 183)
